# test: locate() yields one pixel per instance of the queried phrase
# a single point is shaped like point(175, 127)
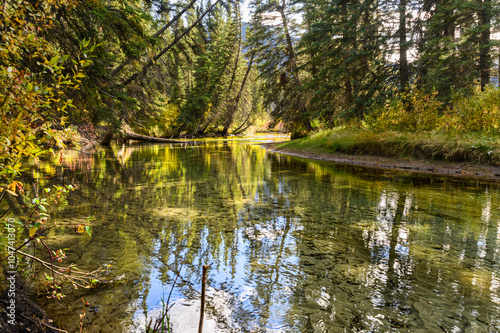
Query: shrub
point(33, 104)
point(477, 113)
point(413, 110)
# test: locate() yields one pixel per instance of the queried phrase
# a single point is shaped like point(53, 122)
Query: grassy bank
point(473, 148)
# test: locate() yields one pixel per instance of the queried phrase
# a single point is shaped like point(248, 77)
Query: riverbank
point(461, 169)
point(328, 146)
point(23, 315)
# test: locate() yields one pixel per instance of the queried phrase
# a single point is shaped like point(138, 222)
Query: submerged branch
point(70, 273)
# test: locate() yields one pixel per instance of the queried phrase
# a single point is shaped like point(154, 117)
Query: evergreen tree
point(344, 43)
point(454, 45)
point(271, 37)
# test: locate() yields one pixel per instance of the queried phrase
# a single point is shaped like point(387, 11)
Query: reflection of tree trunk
point(230, 187)
point(394, 280)
point(396, 222)
point(266, 291)
point(279, 256)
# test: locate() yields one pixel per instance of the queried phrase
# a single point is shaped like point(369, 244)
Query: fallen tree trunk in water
point(127, 134)
point(138, 137)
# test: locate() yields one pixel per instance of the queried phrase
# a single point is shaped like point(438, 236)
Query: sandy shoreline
point(461, 170)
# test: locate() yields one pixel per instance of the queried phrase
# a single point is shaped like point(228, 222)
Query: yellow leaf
point(13, 193)
point(32, 231)
point(12, 186)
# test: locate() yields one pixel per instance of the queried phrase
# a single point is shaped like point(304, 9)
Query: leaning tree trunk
point(304, 117)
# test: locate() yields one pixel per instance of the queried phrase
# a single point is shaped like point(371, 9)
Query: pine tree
point(271, 37)
point(484, 17)
point(450, 48)
point(344, 43)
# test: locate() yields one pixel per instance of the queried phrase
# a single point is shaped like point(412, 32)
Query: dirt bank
point(18, 313)
point(463, 170)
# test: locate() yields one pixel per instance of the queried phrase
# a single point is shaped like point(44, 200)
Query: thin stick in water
point(203, 285)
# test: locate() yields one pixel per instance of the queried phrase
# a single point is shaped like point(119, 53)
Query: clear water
point(295, 245)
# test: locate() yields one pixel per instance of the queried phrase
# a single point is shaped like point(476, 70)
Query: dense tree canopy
point(192, 67)
point(166, 68)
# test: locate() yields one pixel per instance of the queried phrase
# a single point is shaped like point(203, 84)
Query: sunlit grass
point(474, 148)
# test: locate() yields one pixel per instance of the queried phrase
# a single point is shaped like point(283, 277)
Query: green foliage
point(418, 111)
point(212, 85)
point(413, 110)
point(270, 37)
point(447, 61)
point(338, 64)
point(348, 62)
point(33, 103)
point(36, 80)
point(162, 124)
point(479, 113)
point(346, 58)
point(417, 125)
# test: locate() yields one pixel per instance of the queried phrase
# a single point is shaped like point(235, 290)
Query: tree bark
point(348, 94)
point(484, 51)
point(403, 61)
point(234, 106)
point(231, 108)
point(293, 67)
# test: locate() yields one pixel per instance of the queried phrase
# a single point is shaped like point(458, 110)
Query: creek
point(295, 245)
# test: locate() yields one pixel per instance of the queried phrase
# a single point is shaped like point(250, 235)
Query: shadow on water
point(296, 245)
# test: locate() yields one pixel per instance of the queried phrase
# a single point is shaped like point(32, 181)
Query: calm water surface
point(295, 245)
